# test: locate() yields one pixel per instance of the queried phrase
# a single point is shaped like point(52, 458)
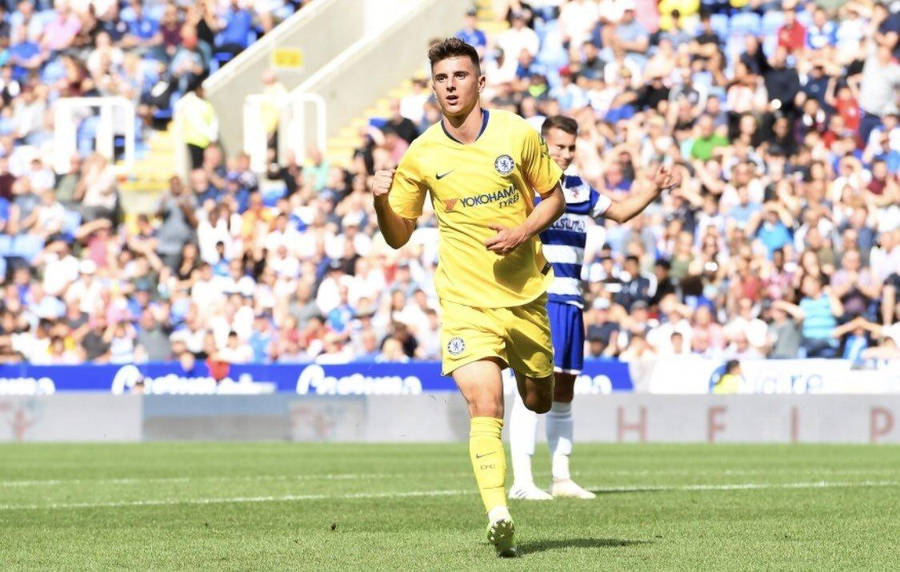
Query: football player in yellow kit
point(482, 169)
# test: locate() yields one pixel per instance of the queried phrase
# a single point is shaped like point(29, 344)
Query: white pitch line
point(229, 500)
point(360, 476)
point(439, 493)
point(251, 478)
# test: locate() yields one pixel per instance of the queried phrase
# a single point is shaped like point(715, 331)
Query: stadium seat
point(769, 44)
point(27, 246)
point(222, 58)
point(745, 24)
point(771, 21)
point(719, 24)
point(73, 222)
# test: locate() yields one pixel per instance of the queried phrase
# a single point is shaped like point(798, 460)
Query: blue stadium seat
point(771, 21)
point(745, 24)
point(719, 24)
point(73, 222)
point(769, 45)
point(27, 246)
point(222, 58)
point(87, 133)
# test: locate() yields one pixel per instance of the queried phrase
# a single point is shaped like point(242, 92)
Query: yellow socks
point(488, 460)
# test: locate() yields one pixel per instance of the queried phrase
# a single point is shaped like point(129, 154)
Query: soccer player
point(564, 245)
point(482, 169)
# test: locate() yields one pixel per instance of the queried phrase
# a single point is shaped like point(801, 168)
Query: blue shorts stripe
point(567, 332)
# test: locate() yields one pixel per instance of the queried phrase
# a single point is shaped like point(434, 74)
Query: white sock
point(522, 436)
point(499, 512)
point(559, 438)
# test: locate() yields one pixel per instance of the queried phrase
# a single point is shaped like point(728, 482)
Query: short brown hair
point(451, 48)
point(561, 122)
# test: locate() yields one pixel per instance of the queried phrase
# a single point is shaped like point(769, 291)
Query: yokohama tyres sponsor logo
point(505, 195)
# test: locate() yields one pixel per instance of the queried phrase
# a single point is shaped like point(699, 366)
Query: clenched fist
point(380, 184)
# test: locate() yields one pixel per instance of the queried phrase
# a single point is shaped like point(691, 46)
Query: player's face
point(561, 146)
point(456, 85)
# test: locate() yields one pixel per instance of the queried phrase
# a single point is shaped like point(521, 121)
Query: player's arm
point(398, 195)
point(395, 228)
point(628, 208)
point(543, 175)
point(551, 207)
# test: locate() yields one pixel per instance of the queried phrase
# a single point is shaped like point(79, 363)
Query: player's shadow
point(545, 545)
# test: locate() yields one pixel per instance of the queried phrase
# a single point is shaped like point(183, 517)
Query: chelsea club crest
point(504, 164)
point(456, 346)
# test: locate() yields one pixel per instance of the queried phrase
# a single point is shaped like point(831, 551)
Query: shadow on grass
point(545, 545)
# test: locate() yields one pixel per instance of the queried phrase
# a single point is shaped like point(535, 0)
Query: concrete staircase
point(340, 148)
point(141, 186)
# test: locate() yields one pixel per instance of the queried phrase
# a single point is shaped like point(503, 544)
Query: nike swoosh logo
point(477, 456)
point(440, 176)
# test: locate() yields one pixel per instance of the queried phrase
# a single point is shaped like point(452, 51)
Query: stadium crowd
point(783, 241)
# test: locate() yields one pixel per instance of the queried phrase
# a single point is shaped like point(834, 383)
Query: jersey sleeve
point(408, 190)
point(539, 169)
point(599, 204)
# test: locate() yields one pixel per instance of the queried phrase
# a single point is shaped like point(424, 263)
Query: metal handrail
point(294, 117)
point(65, 131)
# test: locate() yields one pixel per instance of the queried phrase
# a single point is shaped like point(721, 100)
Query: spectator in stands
point(199, 124)
point(818, 310)
point(401, 125)
point(234, 351)
point(177, 211)
point(235, 28)
point(392, 351)
point(470, 33)
point(152, 340)
point(334, 350)
point(789, 166)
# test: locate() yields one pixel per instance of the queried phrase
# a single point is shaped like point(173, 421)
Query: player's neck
point(465, 128)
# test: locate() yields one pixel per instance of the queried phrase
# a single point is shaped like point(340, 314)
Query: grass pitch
point(297, 506)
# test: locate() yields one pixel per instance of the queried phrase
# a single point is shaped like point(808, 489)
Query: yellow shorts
point(519, 336)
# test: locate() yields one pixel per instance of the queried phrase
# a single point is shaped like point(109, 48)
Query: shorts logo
point(456, 346)
point(504, 164)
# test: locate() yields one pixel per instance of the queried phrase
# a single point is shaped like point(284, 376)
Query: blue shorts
point(567, 332)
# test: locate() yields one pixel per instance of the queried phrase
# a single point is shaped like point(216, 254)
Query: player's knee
point(538, 403)
point(485, 408)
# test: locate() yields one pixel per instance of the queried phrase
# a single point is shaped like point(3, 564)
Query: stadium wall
point(442, 417)
point(318, 33)
point(371, 67)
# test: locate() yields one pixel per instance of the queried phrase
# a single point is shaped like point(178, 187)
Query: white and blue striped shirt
point(564, 241)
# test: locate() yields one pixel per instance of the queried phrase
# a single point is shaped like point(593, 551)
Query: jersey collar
point(484, 121)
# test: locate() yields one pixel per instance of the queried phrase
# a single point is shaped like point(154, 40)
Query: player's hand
point(666, 178)
point(380, 184)
point(506, 240)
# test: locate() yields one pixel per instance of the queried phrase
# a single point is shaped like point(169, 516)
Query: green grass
point(292, 506)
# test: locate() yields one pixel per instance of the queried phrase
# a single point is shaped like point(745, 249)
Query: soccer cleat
point(568, 489)
point(501, 533)
point(528, 492)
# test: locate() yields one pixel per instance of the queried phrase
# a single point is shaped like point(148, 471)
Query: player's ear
point(481, 81)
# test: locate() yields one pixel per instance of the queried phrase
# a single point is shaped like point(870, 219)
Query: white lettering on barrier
point(312, 380)
point(596, 385)
point(171, 384)
point(26, 386)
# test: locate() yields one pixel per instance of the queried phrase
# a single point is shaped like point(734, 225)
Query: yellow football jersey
point(490, 181)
